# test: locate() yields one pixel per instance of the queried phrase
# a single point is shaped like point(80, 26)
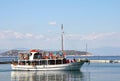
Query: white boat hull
point(69, 66)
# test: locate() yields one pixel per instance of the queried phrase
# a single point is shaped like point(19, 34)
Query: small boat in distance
point(41, 60)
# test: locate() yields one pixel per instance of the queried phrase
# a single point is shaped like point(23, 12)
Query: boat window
point(43, 62)
point(37, 56)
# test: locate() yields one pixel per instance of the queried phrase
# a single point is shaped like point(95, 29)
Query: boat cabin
point(37, 57)
point(34, 54)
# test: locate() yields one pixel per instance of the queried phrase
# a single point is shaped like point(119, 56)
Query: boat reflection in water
point(47, 76)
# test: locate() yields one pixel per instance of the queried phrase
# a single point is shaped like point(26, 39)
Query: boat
point(41, 60)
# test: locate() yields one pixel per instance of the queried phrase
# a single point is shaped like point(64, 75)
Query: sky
point(36, 24)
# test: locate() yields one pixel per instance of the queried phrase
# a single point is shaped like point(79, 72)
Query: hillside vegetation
point(68, 52)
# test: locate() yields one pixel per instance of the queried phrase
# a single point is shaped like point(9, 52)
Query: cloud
point(18, 39)
point(39, 36)
point(97, 36)
point(29, 35)
point(2, 35)
point(52, 23)
point(92, 36)
point(18, 35)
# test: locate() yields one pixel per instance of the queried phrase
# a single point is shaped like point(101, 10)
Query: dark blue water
point(92, 72)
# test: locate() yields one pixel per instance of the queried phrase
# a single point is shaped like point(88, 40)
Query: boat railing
point(45, 61)
point(42, 62)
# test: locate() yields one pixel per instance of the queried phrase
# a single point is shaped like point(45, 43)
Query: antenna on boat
point(62, 32)
point(86, 47)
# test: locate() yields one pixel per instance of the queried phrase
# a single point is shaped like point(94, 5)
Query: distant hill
point(74, 52)
point(11, 52)
point(68, 52)
point(103, 51)
point(3, 50)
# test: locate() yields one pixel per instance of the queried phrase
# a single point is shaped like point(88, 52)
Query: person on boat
point(64, 61)
point(74, 60)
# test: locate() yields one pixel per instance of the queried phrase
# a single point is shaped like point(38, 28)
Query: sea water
point(88, 72)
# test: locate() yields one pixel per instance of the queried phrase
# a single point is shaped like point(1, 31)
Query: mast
point(62, 32)
point(86, 47)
